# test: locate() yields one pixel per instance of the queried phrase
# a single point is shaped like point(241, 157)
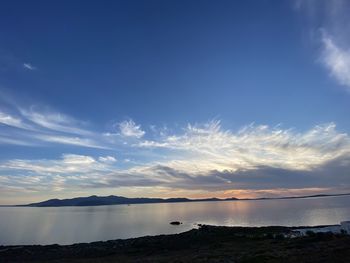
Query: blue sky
point(173, 98)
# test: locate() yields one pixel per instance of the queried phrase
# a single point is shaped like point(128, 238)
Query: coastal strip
point(205, 244)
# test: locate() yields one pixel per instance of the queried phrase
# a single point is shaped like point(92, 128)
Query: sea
point(68, 225)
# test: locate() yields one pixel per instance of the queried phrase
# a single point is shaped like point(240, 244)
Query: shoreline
point(172, 201)
point(226, 243)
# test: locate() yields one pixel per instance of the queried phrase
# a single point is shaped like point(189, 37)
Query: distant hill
point(114, 200)
point(120, 200)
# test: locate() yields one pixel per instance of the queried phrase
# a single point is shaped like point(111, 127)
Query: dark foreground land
point(206, 244)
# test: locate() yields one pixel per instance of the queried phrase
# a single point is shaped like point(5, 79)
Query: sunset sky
point(173, 98)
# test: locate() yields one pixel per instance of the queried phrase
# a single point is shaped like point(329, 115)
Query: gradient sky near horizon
point(174, 98)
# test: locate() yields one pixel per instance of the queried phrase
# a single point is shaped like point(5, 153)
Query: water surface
point(67, 225)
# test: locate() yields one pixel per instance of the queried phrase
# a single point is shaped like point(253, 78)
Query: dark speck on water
point(175, 223)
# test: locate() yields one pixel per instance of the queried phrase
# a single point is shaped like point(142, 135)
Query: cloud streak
point(204, 158)
point(199, 157)
point(53, 121)
point(29, 66)
point(329, 20)
point(42, 127)
point(214, 148)
point(71, 171)
point(11, 121)
point(337, 60)
point(129, 128)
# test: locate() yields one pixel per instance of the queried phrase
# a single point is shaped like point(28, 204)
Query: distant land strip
point(120, 200)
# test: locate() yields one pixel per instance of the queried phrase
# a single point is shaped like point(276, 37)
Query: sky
point(174, 98)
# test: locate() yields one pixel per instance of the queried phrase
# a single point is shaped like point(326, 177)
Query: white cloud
point(54, 121)
point(85, 142)
point(71, 171)
point(202, 148)
point(10, 120)
point(129, 128)
point(209, 157)
point(29, 66)
point(337, 60)
point(12, 141)
point(39, 125)
point(107, 159)
point(68, 164)
point(201, 156)
point(43, 127)
point(331, 18)
point(74, 159)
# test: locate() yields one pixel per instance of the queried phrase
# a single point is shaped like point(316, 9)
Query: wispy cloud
point(253, 145)
point(70, 171)
point(257, 157)
point(107, 159)
point(199, 157)
point(66, 165)
point(209, 158)
point(129, 128)
point(337, 60)
point(78, 141)
point(29, 66)
point(39, 126)
point(12, 141)
point(329, 20)
point(9, 120)
point(53, 120)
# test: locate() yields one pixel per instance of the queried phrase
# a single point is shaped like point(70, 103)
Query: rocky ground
point(206, 244)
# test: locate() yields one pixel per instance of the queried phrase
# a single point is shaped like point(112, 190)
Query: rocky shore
point(206, 244)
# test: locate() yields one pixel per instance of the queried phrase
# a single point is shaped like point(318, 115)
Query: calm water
point(66, 225)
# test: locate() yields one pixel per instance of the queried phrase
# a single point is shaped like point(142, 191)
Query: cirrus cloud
point(337, 60)
point(205, 158)
point(129, 128)
point(329, 20)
